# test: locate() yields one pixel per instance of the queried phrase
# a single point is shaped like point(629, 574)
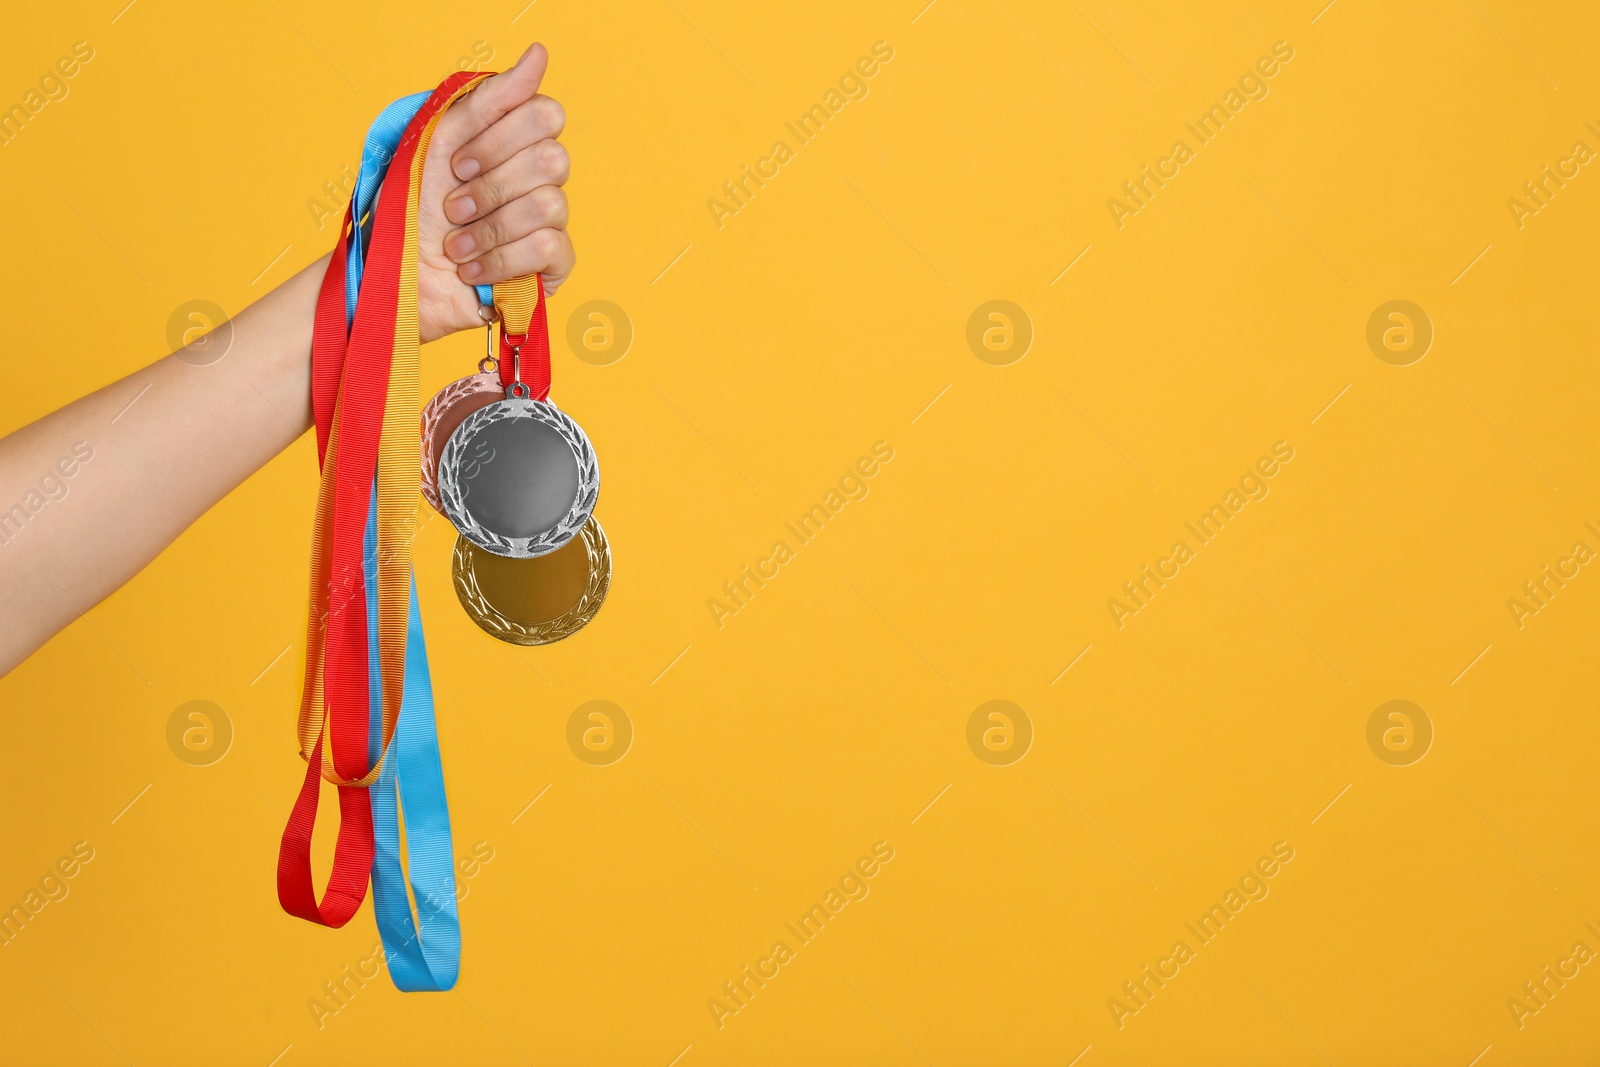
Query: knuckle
point(545, 246)
point(550, 206)
point(554, 161)
point(515, 262)
point(550, 116)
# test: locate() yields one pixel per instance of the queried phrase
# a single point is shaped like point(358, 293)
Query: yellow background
point(825, 316)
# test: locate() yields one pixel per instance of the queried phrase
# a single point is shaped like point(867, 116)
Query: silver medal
point(519, 477)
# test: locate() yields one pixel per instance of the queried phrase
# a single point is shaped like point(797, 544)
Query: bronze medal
point(447, 410)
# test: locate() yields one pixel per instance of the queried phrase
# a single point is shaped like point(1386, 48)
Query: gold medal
point(538, 600)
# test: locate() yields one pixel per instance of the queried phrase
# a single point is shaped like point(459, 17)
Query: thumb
point(496, 96)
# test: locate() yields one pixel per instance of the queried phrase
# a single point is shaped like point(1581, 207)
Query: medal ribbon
point(423, 955)
point(431, 960)
point(365, 384)
point(524, 335)
point(364, 347)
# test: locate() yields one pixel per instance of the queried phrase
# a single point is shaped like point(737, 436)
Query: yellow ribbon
point(516, 300)
point(399, 486)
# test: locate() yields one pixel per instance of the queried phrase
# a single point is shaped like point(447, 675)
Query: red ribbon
point(534, 357)
point(350, 378)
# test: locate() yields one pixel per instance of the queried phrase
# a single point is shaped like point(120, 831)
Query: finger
point(538, 119)
point(547, 252)
point(544, 163)
point(542, 208)
point(497, 96)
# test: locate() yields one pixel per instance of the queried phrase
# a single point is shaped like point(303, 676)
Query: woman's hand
point(492, 206)
point(184, 440)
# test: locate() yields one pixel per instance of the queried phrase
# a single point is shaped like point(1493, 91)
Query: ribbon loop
point(366, 663)
point(524, 335)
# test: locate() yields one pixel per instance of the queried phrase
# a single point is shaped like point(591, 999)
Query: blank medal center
point(519, 477)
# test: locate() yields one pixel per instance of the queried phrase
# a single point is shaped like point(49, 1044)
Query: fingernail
point(470, 271)
point(459, 245)
point(460, 208)
point(467, 169)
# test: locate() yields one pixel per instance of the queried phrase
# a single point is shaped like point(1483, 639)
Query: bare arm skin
point(90, 494)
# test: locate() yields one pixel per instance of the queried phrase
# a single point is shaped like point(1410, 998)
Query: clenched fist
point(492, 206)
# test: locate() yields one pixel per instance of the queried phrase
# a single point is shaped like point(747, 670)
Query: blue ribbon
point(383, 140)
point(430, 960)
point(412, 772)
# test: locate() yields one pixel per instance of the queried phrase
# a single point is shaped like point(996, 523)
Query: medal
point(445, 412)
point(502, 462)
point(518, 477)
point(539, 600)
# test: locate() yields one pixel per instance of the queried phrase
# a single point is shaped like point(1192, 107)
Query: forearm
point(162, 445)
point(159, 447)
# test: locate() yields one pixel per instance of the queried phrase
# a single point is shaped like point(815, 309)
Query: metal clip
point(518, 389)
